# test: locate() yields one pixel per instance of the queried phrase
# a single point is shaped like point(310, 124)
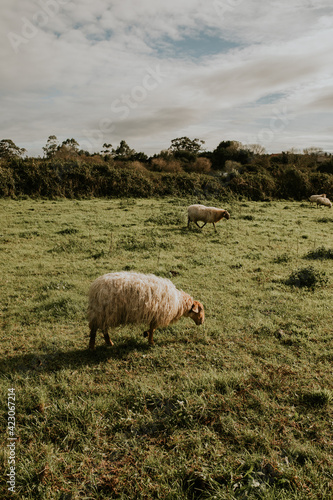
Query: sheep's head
point(226, 215)
point(197, 313)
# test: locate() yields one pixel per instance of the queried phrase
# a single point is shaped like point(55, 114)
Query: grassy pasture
point(240, 407)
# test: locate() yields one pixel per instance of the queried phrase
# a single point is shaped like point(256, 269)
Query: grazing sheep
point(132, 298)
point(205, 214)
point(324, 201)
point(314, 197)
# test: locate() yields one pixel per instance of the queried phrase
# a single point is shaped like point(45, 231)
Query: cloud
point(223, 67)
point(323, 102)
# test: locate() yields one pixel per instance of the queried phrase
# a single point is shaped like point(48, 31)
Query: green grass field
point(240, 407)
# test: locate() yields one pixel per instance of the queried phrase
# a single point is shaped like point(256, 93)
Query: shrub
point(7, 182)
point(257, 187)
point(306, 277)
point(320, 253)
point(166, 165)
point(201, 165)
point(166, 174)
point(321, 182)
point(281, 259)
point(293, 183)
point(315, 398)
point(138, 166)
point(324, 220)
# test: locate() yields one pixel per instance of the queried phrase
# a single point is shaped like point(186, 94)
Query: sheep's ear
point(195, 308)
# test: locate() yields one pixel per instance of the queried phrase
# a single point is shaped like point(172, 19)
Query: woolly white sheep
point(324, 201)
point(314, 197)
point(205, 214)
point(123, 298)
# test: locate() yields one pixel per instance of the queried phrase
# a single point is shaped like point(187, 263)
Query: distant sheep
point(124, 298)
point(324, 201)
point(205, 214)
point(315, 197)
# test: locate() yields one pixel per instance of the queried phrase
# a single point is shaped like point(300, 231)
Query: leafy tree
point(184, 144)
point(9, 150)
point(107, 148)
point(256, 149)
point(71, 145)
point(229, 150)
point(123, 151)
point(84, 152)
point(142, 157)
point(68, 149)
point(185, 150)
point(51, 147)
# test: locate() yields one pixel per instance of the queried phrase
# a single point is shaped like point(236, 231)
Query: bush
point(81, 177)
point(315, 398)
point(306, 277)
point(281, 259)
point(256, 186)
point(166, 165)
point(293, 183)
point(201, 165)
point(7, 183)
point(320, 253)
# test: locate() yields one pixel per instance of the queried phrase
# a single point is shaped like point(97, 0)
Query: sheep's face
point(197, 313)
point(224, 214)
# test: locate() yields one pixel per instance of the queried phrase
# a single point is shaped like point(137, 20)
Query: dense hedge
point(283, 183)
point(79, 178)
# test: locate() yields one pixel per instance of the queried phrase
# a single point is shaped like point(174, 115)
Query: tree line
point(185, 168)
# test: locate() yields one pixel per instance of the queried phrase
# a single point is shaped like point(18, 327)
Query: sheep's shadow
point(53, 361)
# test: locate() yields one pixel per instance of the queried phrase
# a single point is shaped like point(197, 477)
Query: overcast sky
point(149, 71)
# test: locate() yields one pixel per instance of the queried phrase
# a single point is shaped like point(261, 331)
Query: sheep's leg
point(214, 227)
point(188, 222)
point(93, 331)
point(107, 338)
point(203, 225)
point(150, 333)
